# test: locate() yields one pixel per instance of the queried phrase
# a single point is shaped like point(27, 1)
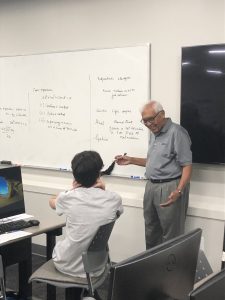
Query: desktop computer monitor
point(211, 289)
point(11, 192)
point(165, 272)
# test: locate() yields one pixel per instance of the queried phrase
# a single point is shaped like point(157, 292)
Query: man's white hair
point(155, 104)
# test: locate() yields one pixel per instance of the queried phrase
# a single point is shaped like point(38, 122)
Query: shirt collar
point(166, 127)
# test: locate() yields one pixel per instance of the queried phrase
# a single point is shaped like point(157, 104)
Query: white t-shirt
point(85, 209)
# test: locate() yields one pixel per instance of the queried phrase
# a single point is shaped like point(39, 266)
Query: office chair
point(223, 256)
point(203, 268)
point(2, 281)
point(95, 258)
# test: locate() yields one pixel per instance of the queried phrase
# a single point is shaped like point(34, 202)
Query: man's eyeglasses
point(150, 120)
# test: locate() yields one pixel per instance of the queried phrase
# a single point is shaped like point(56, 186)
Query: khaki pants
point(163, 223)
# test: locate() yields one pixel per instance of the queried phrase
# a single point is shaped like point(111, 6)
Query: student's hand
point(52, 202)
point(171, 199)
point(99, 184)
point(76, 184)
point(123, 159)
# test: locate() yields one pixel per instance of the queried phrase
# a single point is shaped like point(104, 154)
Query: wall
point(32, 26)
point(127, 238)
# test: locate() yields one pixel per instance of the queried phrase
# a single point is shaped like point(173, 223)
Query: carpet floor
point(39, 289)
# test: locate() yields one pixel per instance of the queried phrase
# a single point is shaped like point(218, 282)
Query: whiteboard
point(55, 105)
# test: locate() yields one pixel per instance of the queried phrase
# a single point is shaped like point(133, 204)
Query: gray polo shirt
point(169, 150)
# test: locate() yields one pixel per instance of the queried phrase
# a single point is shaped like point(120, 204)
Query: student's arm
point(129, 160)
point(99, 184)
point(76, 184)
point(185, 178)
point(52, 202)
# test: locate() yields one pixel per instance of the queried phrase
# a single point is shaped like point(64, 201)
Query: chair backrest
point(97, 254)
point(2, 281)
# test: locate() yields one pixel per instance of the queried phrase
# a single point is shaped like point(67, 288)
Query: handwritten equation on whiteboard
point(113, 115)
point(53, 111)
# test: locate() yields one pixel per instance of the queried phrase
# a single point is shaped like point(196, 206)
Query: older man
point(168, 170)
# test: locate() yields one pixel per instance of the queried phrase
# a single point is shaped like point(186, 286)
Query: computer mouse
point(34, 222)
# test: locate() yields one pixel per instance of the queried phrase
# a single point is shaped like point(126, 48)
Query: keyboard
point(14, 225)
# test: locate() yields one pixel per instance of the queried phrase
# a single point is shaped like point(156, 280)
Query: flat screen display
point(203, 101)
point(11, 192)
point(164, 272)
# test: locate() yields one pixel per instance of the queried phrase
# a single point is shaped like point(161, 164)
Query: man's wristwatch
point(179, 191)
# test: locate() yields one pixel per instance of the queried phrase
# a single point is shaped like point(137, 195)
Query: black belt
point(164, 180)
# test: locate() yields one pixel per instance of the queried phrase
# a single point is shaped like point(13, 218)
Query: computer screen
point(11, 192)
point(212, 289)
point(164, 272)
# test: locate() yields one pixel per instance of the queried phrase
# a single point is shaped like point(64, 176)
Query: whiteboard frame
point(81, 50)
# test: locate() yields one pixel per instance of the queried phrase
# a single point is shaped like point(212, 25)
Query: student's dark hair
point(86, 167)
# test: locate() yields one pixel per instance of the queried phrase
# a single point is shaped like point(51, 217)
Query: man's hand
point(122, 159)
point(171, 199)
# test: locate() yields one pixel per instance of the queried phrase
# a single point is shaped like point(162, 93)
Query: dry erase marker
point(121, 156)
point(6, 162)
point(135, 177)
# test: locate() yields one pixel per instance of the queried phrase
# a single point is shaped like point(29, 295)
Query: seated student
point(86, 207)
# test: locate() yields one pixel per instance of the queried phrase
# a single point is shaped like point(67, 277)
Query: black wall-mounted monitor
point(203, 101)
point(165, 272)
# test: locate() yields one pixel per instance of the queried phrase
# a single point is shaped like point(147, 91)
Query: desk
point(19, 251)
